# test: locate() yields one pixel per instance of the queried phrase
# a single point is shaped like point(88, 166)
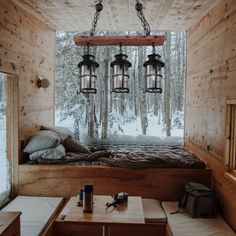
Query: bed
point(131, 156)
point(149, 171)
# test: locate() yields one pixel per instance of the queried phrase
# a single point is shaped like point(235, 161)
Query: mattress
point(133, 156)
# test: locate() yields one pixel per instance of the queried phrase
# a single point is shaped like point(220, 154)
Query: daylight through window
point(136, 117)
point(231, 137)
point(4, 162)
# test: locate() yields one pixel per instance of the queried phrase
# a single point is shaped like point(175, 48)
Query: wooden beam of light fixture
point(157, 40)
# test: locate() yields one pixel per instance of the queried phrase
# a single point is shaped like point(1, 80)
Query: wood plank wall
point(27, 50)
point(211, 80)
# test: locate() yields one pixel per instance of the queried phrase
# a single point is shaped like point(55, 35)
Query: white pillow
point(42, 140)
point(54, 153)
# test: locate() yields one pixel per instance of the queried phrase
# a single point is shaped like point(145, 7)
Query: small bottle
point(80, 202)
point(81, 193)
point(88, 197)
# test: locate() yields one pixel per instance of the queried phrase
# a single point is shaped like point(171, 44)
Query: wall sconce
point(43, 83)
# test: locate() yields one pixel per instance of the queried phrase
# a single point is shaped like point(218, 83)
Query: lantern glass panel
point(126, 70)
point(117, 70)
point(159, 84)
point(150, 70)
point(150, 81)
point(86, 70)
point(88, 78)
point(88, 82)
point(120, 81)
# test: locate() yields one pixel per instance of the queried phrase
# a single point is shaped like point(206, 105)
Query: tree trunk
point(105, 111)
point(167, 87)
point(91, 117)
point(142, 98)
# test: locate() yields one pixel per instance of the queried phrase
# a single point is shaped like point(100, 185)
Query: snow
point(129, 132)
point(3, 161)
point(127, 111)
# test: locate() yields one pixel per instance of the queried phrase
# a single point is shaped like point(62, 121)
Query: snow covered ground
point(131, 133)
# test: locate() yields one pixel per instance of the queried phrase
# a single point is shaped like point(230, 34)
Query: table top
point(130, 213)
point(6, 218)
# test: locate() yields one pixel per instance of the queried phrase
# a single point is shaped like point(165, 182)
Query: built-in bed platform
point(149, 171)
point(66, 180)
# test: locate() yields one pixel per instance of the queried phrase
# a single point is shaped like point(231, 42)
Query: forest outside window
point(231, 137)
point(134, 118)
point(8, 134)
point(4, 163)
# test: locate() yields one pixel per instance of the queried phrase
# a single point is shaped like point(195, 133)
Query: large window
point(4, 162)
point(231, 137)
point(136, 117)
point(8, 135)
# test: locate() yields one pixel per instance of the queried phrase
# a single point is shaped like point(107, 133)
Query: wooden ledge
point(66, 180)
point(157, 40)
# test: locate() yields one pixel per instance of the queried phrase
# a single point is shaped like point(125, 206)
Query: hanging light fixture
point(120, 66)
point(153, 77)
point(120, 76)
point(139, 9)
point(88, 65)
point(87, 73)
point(153, 65)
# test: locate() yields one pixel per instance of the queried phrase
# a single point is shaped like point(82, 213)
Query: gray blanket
point(132, 156)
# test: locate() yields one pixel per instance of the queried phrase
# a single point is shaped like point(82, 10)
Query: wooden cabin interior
point(27, 53)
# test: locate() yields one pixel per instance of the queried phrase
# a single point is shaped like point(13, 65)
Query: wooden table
point(130, 213)
point(9, 223)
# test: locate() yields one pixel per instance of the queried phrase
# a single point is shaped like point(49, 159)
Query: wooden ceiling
point(117, 15)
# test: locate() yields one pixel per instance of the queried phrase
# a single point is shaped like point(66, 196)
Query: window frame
point(12, 126)
point(230, 150)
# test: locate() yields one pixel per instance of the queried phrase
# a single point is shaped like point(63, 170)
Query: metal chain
point(153, 49)
point(121, 48)
point(139, 9)
point(98, 8)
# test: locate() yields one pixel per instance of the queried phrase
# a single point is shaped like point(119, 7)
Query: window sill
point(230, 177)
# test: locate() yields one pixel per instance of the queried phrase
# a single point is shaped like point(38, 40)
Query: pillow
point(72, 145)
point(54, 153)
point(41, 140)
point(62, 131)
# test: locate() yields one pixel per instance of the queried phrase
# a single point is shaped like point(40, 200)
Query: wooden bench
point(37, 213)
point(182, 224)
point(9, 223)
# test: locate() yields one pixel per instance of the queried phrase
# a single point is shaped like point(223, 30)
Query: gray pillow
point(42, 140)
point(54, 153)
point(72, 145)
point(62, 131)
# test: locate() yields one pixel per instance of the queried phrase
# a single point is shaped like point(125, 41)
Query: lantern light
point(88, 74)
point(120, 66)
point(153, 77)
point(120, 77)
